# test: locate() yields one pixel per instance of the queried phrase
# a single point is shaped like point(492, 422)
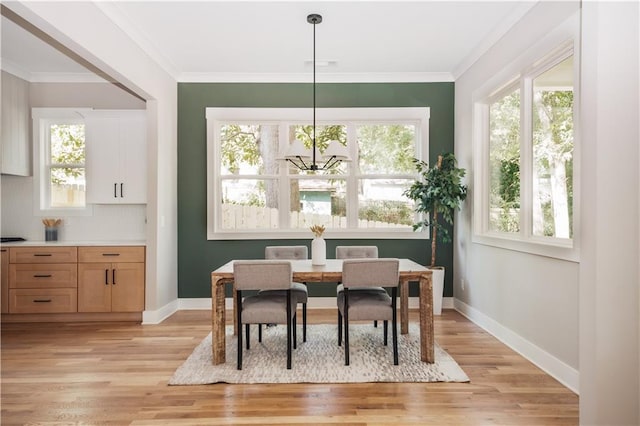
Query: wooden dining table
point(331, 272)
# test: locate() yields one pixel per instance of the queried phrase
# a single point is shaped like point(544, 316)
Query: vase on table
point(318, 251)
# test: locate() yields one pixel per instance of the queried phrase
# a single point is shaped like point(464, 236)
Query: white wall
point(108, 222)
point(609, 276)
point(85, 29)
point(529, 301)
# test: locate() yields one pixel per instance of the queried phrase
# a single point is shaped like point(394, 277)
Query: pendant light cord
point(313, 164)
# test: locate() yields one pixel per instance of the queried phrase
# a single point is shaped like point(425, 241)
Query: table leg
point(426, 318)
point(217, 320)
point(235, 316)
point(404, 307)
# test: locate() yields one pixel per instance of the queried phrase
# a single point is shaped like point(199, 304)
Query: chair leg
point(339, 328)
point(246, 328)
point(239, 322)
point(295, 330)
point(304, 322)
point(385, 327)
point(289, 320)
point(260, 333)
point(394, 326)
point(346, 326)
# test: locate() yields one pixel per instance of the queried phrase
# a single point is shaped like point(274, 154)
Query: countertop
point(33, 243)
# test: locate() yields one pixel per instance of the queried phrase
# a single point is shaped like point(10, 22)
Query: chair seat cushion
point(299, 292)
point(340, 289)
point(367, 306)
point(266, 308)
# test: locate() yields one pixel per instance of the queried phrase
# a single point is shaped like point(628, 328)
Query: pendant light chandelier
point(307, 159)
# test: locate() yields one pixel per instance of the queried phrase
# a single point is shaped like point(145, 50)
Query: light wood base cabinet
point(4, 281)
point(86, 283)
point(108, 286)
point(111, 287)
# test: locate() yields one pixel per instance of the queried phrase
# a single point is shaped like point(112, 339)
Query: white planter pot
point(318, 251)
point(438, 288)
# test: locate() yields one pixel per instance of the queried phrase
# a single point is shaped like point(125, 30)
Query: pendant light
point(307, 159)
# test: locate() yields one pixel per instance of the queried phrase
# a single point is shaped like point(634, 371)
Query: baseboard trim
point(159, 315)
point(565, 374)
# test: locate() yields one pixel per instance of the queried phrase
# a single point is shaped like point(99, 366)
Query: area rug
point(319, 359)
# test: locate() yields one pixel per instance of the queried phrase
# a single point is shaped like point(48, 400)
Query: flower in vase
point(317, 230)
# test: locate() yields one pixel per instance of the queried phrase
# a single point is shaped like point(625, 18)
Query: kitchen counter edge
point(72, 243)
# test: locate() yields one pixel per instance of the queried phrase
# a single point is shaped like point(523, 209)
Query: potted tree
point(437, 194)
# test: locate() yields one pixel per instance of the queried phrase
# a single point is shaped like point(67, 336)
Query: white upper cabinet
point(16, 149)
point(116, 157)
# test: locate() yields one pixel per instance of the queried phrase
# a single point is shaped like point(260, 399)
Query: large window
point(525, 147)
point(253, 193)
point(59, 161)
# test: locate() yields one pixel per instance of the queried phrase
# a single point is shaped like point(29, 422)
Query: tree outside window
point(66, 165)
point(258, 191)
point(530, 125)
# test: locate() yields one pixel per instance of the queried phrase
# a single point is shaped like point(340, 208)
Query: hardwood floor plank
point(117, 374)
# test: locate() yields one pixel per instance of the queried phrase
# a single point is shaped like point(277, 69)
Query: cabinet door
point(116, 161)
point(94, 287)
point(127, 289)
point(102, 160)
point(16, 153)
point(4, 280)
point(133, 159)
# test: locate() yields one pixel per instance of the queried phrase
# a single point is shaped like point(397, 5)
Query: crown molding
point(11, 68)
point(322, 78)
point(493, 37)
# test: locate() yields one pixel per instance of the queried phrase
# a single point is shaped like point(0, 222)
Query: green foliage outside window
point(67, 149)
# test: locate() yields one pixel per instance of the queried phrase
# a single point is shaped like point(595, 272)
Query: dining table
point(330, 272)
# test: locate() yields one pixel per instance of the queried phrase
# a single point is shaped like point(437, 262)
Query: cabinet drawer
point(43, 254)
point(60, 275)
point(43, 301)
point(111, 254)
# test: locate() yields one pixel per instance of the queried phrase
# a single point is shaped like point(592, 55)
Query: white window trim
point(557, 46)
point(419, 116)
point(41, 118)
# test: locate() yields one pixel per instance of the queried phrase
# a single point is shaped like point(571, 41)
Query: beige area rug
point(319, 359)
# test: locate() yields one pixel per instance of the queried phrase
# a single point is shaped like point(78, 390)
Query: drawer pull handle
point(111, 254)
point(42, 276)
point(42, 254)
point(41, 300)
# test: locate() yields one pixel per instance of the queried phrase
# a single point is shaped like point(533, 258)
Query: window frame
point(215, 117)
point(521, 74)
point(42, 119)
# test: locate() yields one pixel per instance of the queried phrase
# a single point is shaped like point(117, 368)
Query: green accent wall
point(197, 256)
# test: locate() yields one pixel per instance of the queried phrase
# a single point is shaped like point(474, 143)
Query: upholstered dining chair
point(272, 308)
point(299, 292)
point(356, 252)
point(367, 305)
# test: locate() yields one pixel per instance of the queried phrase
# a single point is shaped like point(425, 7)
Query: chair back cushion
point(262, 274)
point(286, 252)
point(356, 252)
point(370, 272)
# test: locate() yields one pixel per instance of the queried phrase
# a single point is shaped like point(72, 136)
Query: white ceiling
point(272, 41)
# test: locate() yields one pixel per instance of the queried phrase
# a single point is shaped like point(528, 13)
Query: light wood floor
point(116, 374)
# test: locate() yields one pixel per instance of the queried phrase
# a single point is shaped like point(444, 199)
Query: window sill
point(548, 249)
point(307, 235)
